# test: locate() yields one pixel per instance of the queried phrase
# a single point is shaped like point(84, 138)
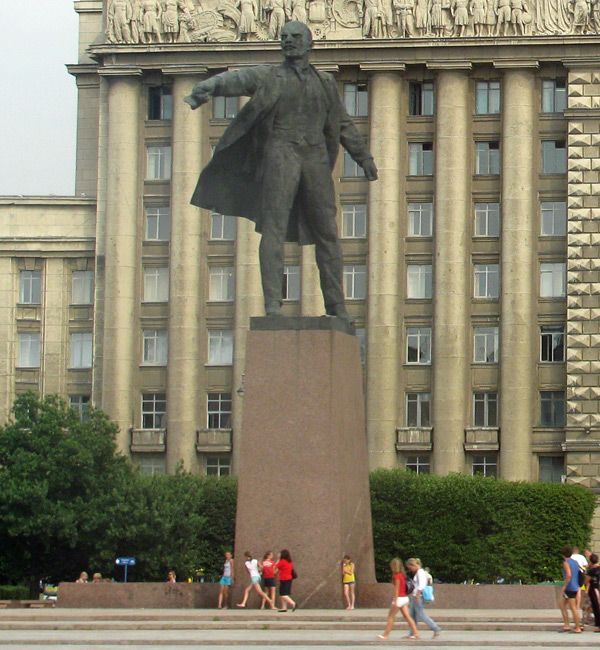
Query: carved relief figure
point(504, 16)
point(170, 20)
point(421, 21)
point(490, 16)
point(403, 10)
point(136, 21)
point(552, 16)
point(187, 23)
point(580, 10)
point(387, 18)
point(297, 11)
point(519, 17)
point(436, 17)
point(461, 15)
point(596, 16)
point(248, 11)
point(118, 21)
point(478, 10)
point(372, 19)
point(151, 15)
point(276, 11)
point(317, 12)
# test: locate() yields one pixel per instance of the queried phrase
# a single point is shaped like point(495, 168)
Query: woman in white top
point(417, 606)
point(252, 567)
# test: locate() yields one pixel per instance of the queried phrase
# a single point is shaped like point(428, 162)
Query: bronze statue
point(273, 164)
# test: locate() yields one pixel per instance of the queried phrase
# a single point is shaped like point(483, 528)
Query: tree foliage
point(477, 528)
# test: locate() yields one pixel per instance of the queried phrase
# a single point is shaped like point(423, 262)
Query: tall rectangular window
point(354, 220)
point(554, 96)
point(418, 345)
point(82, 287)
point(487, 219)
point(355, 281)
point(221, 284)
point(218, 465)
point(419, 464)
point(351, 169)
point(420, 98)
point(418, 281)
point(160, 103)
point(224, 108)
point(80, 404)
point(420, 219)
point(159, 164)
point(418, 409)
point(356, 99)
point(485, 344)
point(156, 284)
point(152, 465)
point(552, 343)
point(552, 408)
point(220, 347)
point(29, 350)
point(554, 157)
point(154, 410)
point(487, 158)
point(30, 287)
point(487, 280)
point(486, 464)
point(420, 159)
point(222, 227)
point(155, 347)
point(485, 409)
point(81, 350)
point(554, 218)
point(553, 280)
point(487, 97)
point(158, 223)
point(291, 283)
point(551, 469)
point(219, 411)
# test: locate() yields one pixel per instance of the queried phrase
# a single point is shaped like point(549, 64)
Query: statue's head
point(296, 40)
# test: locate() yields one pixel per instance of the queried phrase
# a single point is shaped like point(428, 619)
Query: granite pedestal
point(303, 477)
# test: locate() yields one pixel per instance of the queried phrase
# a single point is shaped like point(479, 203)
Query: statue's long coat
point(232, 181)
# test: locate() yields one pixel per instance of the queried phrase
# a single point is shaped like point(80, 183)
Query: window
point(29, 350)
point(220, 347)
point(81, 350)
point(420, 100)
point(218, 465)
point(356, 99)
point(418, 345)
point(355, 281)
point(551, 469)
point(554, 157)
point(30, 289)
point(225, 108)
point(151, 465)
point(291, 283)
point(219, 411)
point(354, 221)
point(351, 168)
point(487, 281)
point(158, 223)
point(80, 404)
point(487, 97)
point(553, 281)
point(155, 344)
point(420, 159)
point(487, 220)
point(552, 408)
point(222, 284)
point(418, 464)
point(156, 284)
point(487, 158)
point(418, 409)
point(552, 343)
point(160, 103)
point(554, 96)
point(159, 164)
point(154, 410)
point(82, 288)
point(485, 409)
point(420, 219)
point(418, 281)
point(222, 227)
point(485, 464)
point(485, 344)
point(554, 218)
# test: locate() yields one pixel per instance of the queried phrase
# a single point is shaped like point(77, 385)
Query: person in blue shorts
point(225, 582)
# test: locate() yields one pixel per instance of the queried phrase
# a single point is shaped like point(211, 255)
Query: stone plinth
point(303, 478)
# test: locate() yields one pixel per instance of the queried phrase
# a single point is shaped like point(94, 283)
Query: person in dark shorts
point(268, 568)
point(592, 584)
point(568, 596)
point(285, 567)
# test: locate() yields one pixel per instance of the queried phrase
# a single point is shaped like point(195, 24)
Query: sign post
point(125, 562)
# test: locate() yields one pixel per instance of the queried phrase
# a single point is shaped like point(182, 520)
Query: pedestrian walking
point(568, 596)
point(268, 573)
point(399, 603)
point(417, 602)
point(592, 584)
point(285, 567)
point(252, 568)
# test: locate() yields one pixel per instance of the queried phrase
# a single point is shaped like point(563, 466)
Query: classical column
point(383, 319)
point(452, 270)
point(55, 326)
point(518, 322)
point(185, 277)
point(122, 259)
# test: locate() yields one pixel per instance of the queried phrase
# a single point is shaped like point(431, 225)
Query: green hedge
point(477, 528)
point(11, 592)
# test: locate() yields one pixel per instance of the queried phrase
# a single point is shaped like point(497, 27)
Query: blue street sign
point(125, 561)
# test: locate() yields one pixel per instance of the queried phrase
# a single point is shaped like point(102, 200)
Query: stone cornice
point(88, 6)
point(383, 66)
point(516, 63)
point(449, 65)
point(120, 71)
point(192, 69)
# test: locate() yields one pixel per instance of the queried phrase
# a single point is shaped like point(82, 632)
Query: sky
point(38, 98)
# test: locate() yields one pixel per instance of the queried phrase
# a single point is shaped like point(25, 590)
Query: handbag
point(294, 574)
point(427, 592)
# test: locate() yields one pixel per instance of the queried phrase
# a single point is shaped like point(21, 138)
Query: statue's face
point(296, 40)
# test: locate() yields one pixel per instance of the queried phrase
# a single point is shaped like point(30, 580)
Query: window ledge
point(414, 438)
point(148, 440)
point(214, 440)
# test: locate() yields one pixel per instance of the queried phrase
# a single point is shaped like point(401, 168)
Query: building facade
point(472, 266)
